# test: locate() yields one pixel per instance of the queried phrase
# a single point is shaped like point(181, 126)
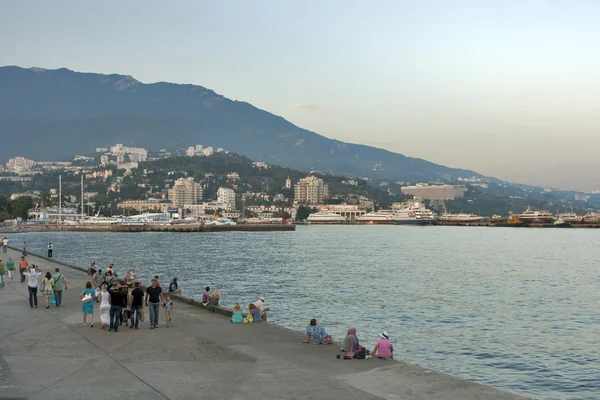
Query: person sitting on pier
point(237, 317)
point(255, 312)
point(174, 287)
point(352, 345)
point(214, 299)
point(260, 304)
point(206, 295)
point(316, 334)
point(92, 269)
point(384, 348)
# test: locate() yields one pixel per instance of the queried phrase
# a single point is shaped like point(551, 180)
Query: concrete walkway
point(48, 354)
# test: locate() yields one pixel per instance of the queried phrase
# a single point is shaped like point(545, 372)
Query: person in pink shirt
point(384, 348)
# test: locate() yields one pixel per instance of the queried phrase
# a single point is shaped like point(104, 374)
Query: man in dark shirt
point(154, 297)
point(116, 306)
point(174, 287)
point(136, 301)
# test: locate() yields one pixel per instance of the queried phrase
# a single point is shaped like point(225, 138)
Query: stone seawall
point(155, 228)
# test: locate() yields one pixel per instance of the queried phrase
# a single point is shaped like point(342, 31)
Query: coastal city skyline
point(389, 80)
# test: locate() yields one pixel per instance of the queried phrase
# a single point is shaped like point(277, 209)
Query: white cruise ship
point(325, 217)
point(413, 212)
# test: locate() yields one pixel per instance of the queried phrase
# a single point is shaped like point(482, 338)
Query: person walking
point(10, 265)
point(104, 306)
point(4, 244)
point(23, 264)
point(48, 289)
point(87, 302)
point(60, 284)
point(98, 279)
point(50, 248)
point(33, 276)
point(168, 305)
point(154, 296)
point(136, 302)
point(116, 307)
point(2, 272)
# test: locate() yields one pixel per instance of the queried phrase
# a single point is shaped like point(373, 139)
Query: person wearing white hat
point(260, 304)
point(384, 348)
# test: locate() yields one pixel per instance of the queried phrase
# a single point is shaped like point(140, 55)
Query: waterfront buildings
point(435, 192)
point(226, 196)
point(310, 190)
point(185, 191)
point(145, 205)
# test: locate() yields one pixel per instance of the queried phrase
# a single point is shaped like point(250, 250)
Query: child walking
point(168, 305)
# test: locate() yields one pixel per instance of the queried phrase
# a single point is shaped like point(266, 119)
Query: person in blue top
point(88, 306)
point(255, 312)
point(237, 317)
point(316, 334)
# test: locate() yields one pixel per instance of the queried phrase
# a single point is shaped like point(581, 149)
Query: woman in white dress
point(104, 307)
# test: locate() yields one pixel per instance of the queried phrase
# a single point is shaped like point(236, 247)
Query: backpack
point(361, 353)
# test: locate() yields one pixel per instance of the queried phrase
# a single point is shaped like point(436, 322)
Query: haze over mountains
point(54, 114)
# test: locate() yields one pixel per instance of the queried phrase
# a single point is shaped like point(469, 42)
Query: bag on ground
point(52, 299)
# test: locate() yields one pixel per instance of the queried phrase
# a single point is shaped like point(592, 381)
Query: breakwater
point(264, 357)
point(150, 228)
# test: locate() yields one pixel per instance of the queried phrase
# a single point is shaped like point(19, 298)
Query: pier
point(48, 354)
point(151, 228)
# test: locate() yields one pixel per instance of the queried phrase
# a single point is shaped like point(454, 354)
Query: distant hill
point(54, 114)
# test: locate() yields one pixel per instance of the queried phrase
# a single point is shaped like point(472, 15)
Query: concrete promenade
point(48, 354)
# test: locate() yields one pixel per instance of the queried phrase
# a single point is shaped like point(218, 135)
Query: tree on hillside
point(21, 206)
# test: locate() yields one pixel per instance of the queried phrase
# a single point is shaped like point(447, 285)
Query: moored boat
point(325, 217)
point(461, 218)
point(376, 218)
point(537, 217)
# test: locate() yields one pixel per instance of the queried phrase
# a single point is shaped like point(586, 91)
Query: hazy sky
point(509, 88)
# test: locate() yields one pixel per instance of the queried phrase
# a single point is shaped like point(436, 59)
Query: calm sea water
point(516, 309)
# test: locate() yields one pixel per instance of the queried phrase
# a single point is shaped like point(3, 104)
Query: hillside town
point(203, 184)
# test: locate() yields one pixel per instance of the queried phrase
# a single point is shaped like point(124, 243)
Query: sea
point(513, 308)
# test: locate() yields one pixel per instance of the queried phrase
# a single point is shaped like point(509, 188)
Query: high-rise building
point(310, 190)
point(226, 196)
point(208, 151)
point(185, 191)
point(190, 152)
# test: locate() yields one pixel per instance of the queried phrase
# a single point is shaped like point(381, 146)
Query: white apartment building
point(226, 196)
point(208, 151)
point(190, 152)
point(435, 192)
point(19, 164)
point(310, 190)
point(185, 191)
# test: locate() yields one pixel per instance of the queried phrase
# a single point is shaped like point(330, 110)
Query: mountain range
point(54, 114)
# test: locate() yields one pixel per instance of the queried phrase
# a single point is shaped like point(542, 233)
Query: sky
point(507, 88)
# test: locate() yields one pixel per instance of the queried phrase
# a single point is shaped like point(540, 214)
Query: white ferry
point(325, 217)
point(461, 218)
point(536, 216)
point(380, 218)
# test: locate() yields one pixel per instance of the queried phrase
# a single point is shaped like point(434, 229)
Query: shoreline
point(152, 228)
point(378, 378)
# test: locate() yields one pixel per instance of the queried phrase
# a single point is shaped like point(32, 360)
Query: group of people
point(257, 312)
point(118, 305)
point(316, 334)
point(50, 286)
